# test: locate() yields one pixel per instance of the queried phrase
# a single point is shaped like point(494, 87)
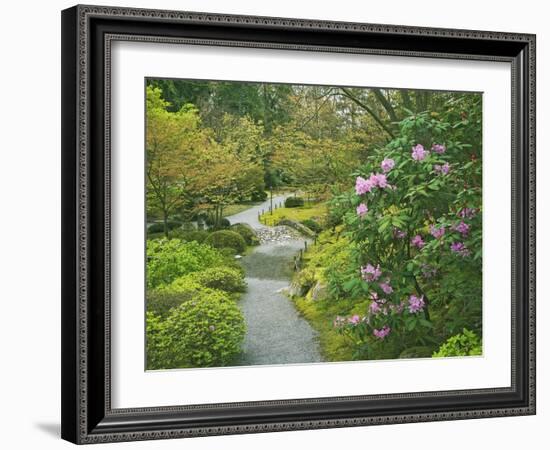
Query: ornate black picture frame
point(87, 34)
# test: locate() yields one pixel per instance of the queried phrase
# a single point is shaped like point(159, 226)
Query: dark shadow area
point(53, 429)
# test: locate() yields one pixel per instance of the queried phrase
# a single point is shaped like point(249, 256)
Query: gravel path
point(250, 216)
point(276, 334)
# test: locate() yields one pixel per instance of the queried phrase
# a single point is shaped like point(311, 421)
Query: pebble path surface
point(276, 333)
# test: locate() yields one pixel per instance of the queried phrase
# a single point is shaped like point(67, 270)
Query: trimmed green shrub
point(247, 233)
point(228, 252)
point(258, 196)
point(168, 259)
point(222, 278)
point(465, 344)
point(188, 236)
point(224, 223)
point(204, 332)
point(294, 202)
point(230, 261)
point(154, 341)
point(151, 236)
point(161, 301)
point(207, 219)
point(228, 279)
point(312, 225)
point(188, 226)
point(159, 227)
point(226, 238)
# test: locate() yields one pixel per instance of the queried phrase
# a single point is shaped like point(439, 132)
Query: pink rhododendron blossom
point(460, 248)
point(417, 241)
point(370, 273)
point(386, 287)
point(363, 186)
point(442, 169)
point(418, 152)
point(437, 232)
point(438, 148)
point(362, 210)
point(387, 165)
point(354, 320)
point(382, 333)
point(379, 179)
point(463, 228)
point(416, 304)
point(374, 308)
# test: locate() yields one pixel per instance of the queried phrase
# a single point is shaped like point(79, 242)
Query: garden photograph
point(298, 224)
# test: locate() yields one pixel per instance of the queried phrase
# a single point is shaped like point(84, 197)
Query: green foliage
point(214, 146)
point(221, 278)
point(223, 224)
point(294, 202)
point(168, 259)
point(204, 332)
point(312, 225)
point(320, 315)
point(216, 224)
point(173, 140)
point(189, 236)
point(258, 196)
point(315, 211)
point(161, 301)
point(465, 344)
point(159, 227)
point(252, 187)
point(155, 341)
point(416, 198)
point(247, 233)
point(226, 238)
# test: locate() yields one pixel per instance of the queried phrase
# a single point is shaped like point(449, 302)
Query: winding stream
point(276, 333)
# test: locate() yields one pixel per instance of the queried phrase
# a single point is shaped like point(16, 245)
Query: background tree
point(172, 142)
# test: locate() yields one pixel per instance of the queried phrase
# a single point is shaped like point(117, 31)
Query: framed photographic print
point(281, 224)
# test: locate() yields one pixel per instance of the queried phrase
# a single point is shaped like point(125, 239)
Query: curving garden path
point(276, 334)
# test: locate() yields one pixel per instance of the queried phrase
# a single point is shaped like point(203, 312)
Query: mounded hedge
point(168, 259)
point(226, 239)
point(192, 235)
point(228, 279)
point(222, 278)
point(204, 332)
point(224, 223)
point(258, 196)
point(161, 301)
point(312, 225)
point(294, 202)
point(159, 227)
point(247, 233)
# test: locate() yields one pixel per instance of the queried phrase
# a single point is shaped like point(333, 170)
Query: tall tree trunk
point(369, 110)
point(165, 220)
point(386, 104)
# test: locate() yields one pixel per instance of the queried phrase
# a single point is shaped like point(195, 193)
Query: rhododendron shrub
point(417, 250)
